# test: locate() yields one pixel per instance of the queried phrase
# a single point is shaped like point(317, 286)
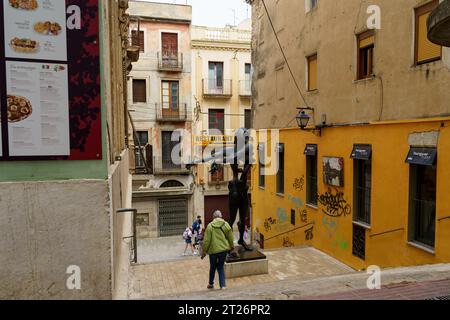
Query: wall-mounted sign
point(361, 152)
point(422, 156)
point(333, 171)
point(50, 103)
point(311, 150)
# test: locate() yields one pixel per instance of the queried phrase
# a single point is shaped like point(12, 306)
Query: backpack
point(186, 234)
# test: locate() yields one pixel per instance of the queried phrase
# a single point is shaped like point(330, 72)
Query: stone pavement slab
point(420, 282)
point(185, 276)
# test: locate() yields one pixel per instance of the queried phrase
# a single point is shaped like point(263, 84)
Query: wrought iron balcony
point(173, 112)
point(439, 24)
point(245, 88)
point(213, 88)
point(172, 62)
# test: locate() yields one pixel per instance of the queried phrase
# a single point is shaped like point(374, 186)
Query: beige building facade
point(221, 88)
point(160, 106)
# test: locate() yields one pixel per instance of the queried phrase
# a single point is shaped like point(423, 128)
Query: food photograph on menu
point(35, 29)
point(38, 109)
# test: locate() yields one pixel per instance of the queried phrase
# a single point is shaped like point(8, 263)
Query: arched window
point(172, 184)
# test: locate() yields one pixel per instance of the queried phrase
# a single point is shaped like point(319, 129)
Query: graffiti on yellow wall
point(334, 203)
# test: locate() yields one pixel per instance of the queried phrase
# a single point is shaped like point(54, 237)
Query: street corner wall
point(46, 227)
point(286, 221)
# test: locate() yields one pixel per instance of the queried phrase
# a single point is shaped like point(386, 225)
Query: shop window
point(311, 174)
point(280, 173)
point(362, 183)
point(422, 196)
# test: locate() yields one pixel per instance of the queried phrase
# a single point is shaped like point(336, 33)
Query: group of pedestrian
point(216, 241)
point(196, 232)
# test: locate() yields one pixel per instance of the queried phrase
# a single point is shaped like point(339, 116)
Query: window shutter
point(139, 91)
point(426, 50)
point(312, 73)
point(366, 42)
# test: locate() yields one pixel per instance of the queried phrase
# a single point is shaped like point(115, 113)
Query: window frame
point(361, 213)
point(262, 166)
point(281, 163)
point(146, 90)
point(309, 59)
point(414, 184)
point(209, 119)
point(371, 58)
point(312, 192)
point(419, 11)
point(141, 42)
point(172, 106)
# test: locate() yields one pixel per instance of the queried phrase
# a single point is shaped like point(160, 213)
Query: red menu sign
point(50, 102)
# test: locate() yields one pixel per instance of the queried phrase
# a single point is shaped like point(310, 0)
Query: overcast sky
point(215, 13)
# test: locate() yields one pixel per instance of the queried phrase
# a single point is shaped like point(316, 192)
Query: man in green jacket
point(218, 241)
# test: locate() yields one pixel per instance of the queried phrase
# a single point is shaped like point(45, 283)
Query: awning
point(361, 152)
point(311, 150)
point(422, 156)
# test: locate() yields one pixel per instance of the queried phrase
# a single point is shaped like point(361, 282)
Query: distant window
point(216, 119)
point(142, 138)
point(366, 45)
point(172, 184)
point(425, 50)
point(312, 72)
point(139, 91)
point(248, 119)
point(280, 172)
point(138, 40)
point(215, 80)
point(170, 96)
point(218, 175)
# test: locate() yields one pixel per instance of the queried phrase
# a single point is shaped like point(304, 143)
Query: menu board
point(35, 29)
point(38, 115)
point(50, 103)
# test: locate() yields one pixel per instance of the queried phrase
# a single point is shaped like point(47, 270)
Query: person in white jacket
point(187, 236)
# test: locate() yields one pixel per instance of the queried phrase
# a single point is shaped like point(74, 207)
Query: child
point(187, 236)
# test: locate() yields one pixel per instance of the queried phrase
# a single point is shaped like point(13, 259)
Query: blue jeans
point(217, 261)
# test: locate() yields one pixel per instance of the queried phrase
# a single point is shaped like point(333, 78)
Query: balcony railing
point(221, 34)
point(163, 165)
point(217, 88)
point(173, 112)
point(245, 88)
point(170, 61)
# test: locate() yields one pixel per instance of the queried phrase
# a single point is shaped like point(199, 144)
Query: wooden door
point(170, 100)
point(170, 49)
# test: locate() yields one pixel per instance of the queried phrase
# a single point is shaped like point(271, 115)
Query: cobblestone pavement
point(185, 276)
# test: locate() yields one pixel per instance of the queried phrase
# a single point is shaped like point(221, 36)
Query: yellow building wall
point(389, 200)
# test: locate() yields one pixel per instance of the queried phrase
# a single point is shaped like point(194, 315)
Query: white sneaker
point(223, 288)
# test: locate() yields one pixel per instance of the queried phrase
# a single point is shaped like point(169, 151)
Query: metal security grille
point(173, 218)
point(359, 242)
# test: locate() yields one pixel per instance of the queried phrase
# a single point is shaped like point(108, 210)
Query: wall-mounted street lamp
point(303, 120)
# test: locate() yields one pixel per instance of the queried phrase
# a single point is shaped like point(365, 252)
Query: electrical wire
point(284, 55)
